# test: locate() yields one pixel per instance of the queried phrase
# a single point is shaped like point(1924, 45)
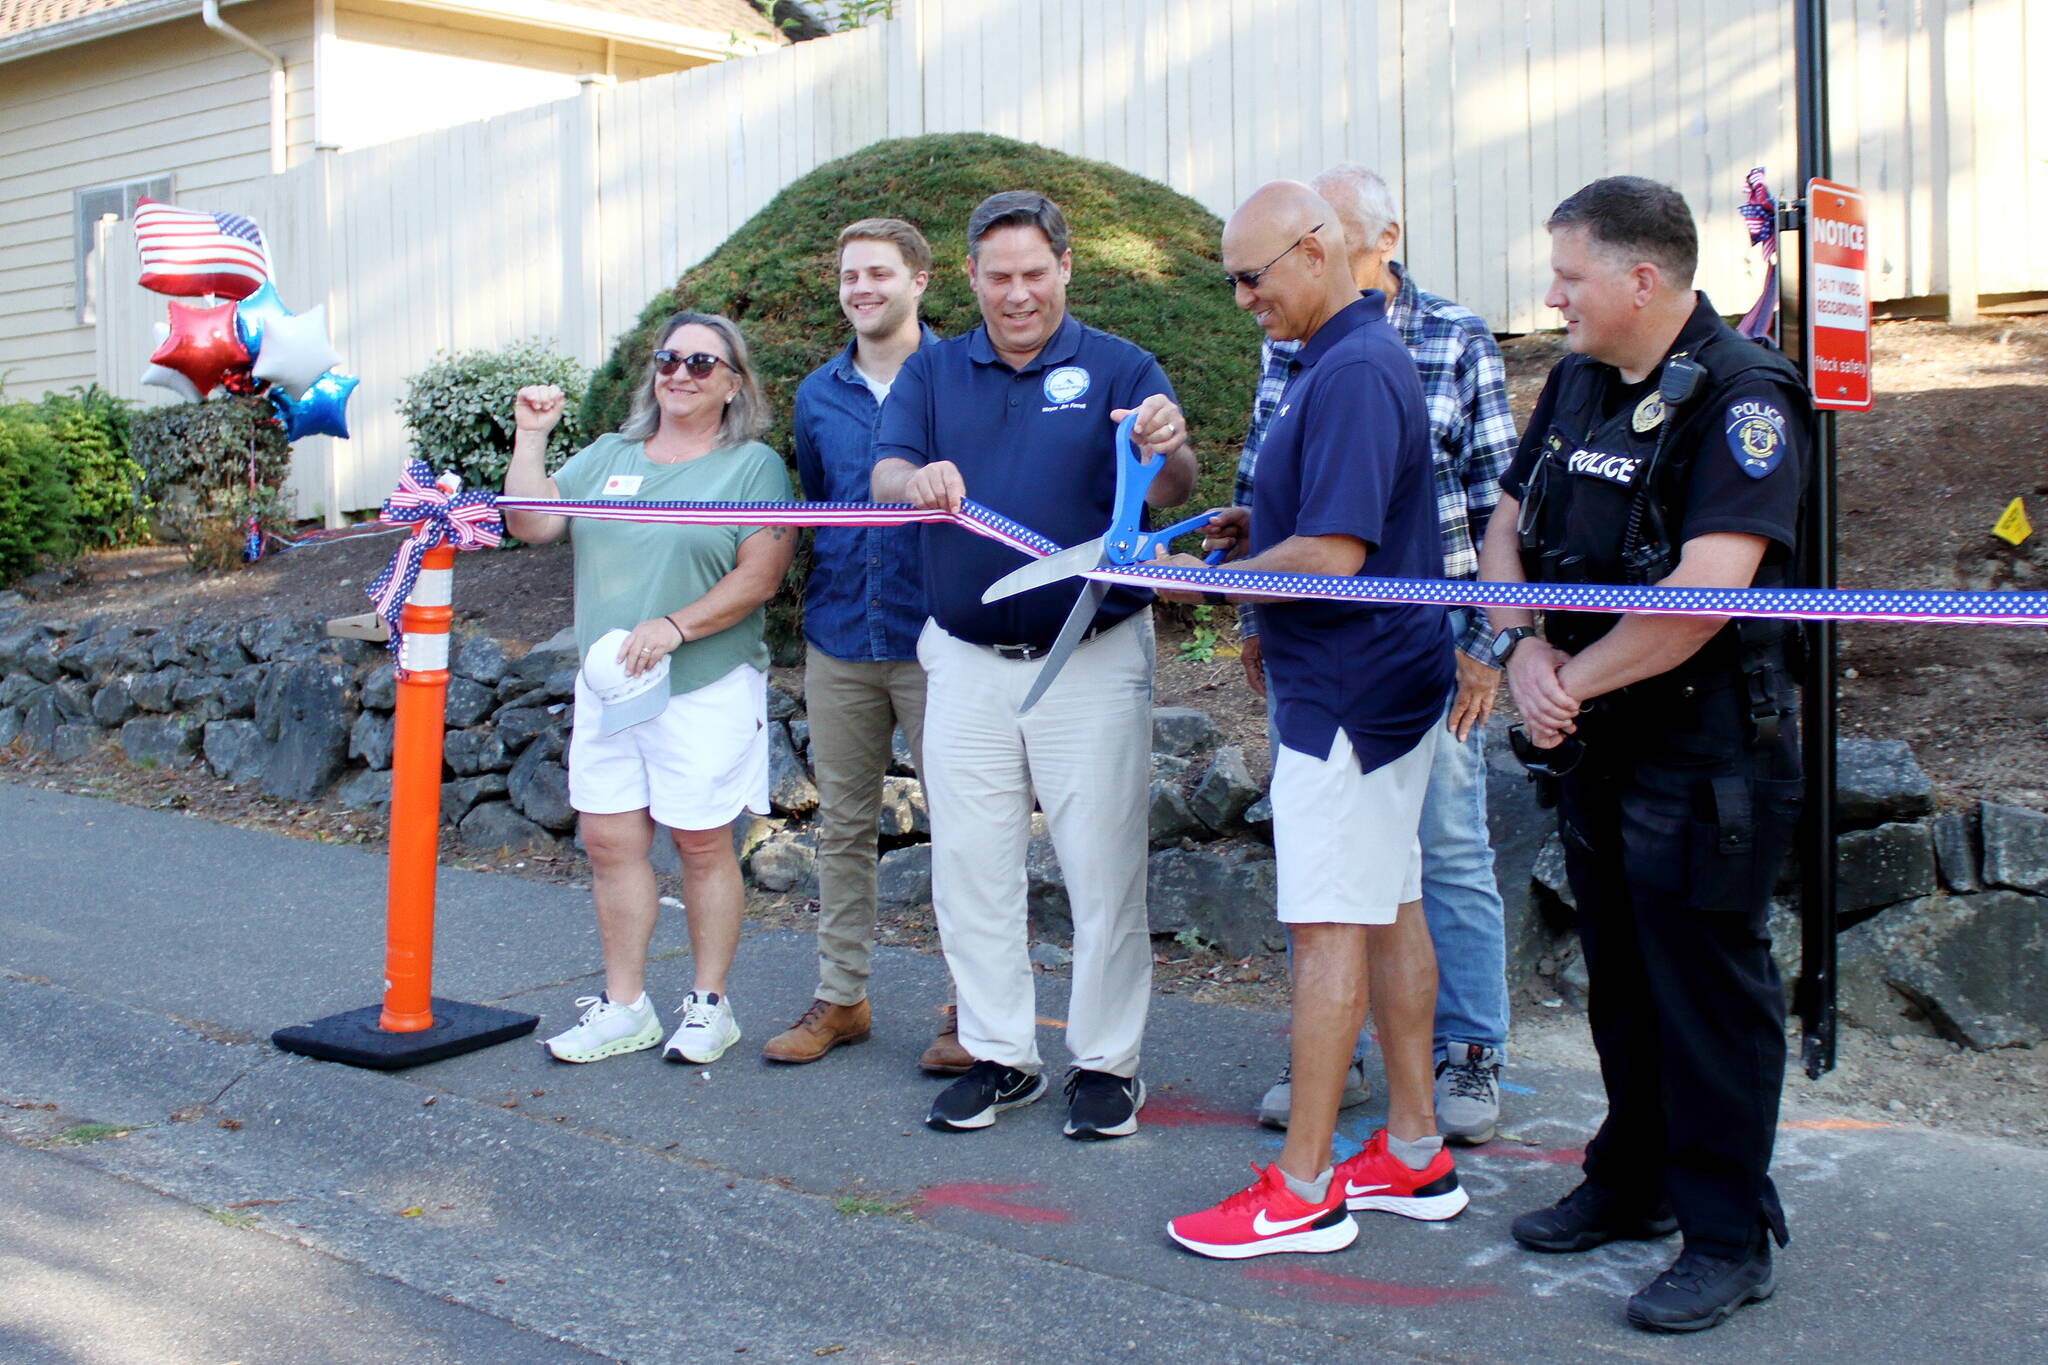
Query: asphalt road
point(232, 1203)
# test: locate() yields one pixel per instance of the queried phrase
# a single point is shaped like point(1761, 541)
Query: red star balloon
point(203, 345)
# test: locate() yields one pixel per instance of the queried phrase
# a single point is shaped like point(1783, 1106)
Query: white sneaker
point(1278, 1101)
point(708, 1029)
point(607, 1029)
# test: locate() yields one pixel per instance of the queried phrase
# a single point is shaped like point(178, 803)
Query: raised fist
point(537, 407)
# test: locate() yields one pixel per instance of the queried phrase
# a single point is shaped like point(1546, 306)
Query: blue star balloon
point(322, 410)
point(257, 312)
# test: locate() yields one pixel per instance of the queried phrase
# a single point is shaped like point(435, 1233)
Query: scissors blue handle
point(1127, 542)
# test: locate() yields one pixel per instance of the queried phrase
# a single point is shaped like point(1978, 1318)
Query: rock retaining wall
point(1948, 908)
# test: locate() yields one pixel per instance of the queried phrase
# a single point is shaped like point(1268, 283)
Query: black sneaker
point(1101, 1105)
point(1702, 1290)
point(986, 1090)
point(1589, 1217)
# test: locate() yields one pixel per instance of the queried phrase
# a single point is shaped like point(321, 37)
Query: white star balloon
point(296, 351)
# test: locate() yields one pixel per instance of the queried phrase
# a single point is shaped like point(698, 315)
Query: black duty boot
point(1589, 1217)
point(1702, 1289)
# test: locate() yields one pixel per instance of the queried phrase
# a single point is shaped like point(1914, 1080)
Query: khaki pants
point(1085, 750)
point(854, 708)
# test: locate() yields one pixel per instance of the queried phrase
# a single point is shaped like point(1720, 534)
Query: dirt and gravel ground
point(1953, 437)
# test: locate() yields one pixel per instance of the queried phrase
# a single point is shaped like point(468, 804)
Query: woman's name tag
point(622, 486)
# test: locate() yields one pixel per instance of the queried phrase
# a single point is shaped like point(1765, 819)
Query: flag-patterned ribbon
point(437, 515)
point(972, 516)
point(1927, 607)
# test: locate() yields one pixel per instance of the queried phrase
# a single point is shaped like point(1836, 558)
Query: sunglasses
point(700, 364)
point(1555, 761)
point(1250, 278)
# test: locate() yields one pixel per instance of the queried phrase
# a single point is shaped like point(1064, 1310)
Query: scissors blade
point(1070, 635)
point(1039, 572)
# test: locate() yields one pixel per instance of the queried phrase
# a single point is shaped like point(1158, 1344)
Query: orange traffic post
point(416, 796)
point(413, 1025)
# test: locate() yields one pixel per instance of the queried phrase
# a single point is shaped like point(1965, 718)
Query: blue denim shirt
point(864, 601)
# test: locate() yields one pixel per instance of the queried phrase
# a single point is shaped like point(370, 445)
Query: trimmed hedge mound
point(1144, 268)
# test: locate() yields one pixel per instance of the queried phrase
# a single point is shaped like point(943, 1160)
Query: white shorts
point(694, 766)
point(1345, 841)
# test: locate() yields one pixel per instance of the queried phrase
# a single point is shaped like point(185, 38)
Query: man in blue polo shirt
point(863, 608)
point(1020, 414)
point(1344, 486)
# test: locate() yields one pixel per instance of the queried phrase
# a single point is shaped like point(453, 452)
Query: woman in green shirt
point(688, 598)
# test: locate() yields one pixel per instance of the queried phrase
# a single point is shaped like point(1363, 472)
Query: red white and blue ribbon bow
point(438, 514)
point(1762, 213)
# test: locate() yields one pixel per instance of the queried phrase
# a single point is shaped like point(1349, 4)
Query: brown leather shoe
point(823, 1027)
point(945, 1057)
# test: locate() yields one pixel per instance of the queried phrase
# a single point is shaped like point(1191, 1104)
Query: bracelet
point(681, 638)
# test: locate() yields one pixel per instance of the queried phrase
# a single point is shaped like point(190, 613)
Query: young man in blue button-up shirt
point(863, 607)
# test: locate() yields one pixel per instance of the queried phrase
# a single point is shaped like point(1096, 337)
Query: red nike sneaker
point(1374, 1179)
point(1266, 1218)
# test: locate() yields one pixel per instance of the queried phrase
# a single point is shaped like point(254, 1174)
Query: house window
point(105, 201)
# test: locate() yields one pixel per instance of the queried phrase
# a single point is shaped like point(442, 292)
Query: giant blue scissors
point(1126, 542)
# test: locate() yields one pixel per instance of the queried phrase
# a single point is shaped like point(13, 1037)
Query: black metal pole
point(1814, 998)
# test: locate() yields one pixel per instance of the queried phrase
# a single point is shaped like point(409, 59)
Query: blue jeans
point(1461, 899)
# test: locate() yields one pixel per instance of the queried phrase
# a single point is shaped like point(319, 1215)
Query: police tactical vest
point(1609, 489)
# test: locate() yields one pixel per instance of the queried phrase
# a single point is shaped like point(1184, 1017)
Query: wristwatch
point(1504, 643)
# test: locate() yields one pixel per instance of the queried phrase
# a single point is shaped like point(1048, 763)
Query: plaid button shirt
point(1472, 437)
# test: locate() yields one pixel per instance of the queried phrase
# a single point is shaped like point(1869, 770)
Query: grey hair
point(746, 417)
point(1362, 198)
point(1017, 208)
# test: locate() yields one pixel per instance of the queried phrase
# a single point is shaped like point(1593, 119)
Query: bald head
point(1287, 236)
point(1280, 212)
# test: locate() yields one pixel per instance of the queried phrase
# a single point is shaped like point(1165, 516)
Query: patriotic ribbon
point(438, 514)
point(972, 516)
point(1787, 604)
point(1762, 213)
point(1928, 607)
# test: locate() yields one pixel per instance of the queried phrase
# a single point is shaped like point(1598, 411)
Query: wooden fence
point(563, 220)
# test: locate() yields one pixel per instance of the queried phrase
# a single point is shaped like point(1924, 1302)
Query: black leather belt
point(1040, 651)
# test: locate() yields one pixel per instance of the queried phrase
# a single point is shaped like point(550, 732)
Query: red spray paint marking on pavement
point(1173, 1110)
point(1321, 1284)
point(977, 1196)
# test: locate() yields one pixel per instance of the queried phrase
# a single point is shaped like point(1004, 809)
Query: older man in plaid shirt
point(1473, 439)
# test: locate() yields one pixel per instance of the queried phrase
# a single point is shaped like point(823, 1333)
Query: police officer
point(1666, 449)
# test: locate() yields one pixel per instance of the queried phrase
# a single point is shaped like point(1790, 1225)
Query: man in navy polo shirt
point(1344, 486)
point(863, 608)
point(1020, 414)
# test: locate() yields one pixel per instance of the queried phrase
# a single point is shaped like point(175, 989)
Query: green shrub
point(36, 507)
point(1144, 268)
point(91, 428)
point(195, 460)
point(459, 409)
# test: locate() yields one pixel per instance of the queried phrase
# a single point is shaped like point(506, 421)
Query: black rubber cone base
point(354, 1037)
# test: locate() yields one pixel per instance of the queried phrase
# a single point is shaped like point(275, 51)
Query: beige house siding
point(175, 99)
point(399, 70)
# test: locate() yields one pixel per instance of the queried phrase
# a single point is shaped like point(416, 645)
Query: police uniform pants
point(1085, 750)
point(1674, 828)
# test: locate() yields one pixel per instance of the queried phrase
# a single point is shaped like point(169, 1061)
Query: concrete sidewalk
point(650, 1212)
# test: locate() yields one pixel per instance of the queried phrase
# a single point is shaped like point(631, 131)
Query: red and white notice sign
point(1837, 296)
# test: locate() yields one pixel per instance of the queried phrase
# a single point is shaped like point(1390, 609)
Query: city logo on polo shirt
point(1064, 386)
point(623, 701)
point(1756, 436)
